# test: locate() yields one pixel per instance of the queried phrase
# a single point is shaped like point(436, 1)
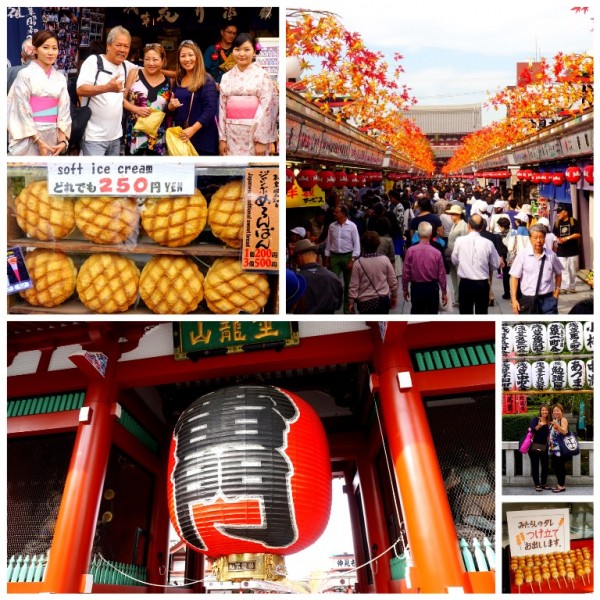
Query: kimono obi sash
point(44, 109)
point(241, 107)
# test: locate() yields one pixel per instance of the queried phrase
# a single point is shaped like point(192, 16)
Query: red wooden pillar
point(437, 564)
point(70, 553)
point(362, 584)
point(375, 523)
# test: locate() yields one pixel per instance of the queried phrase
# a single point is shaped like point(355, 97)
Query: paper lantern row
point(539, 338)
point(552, 375)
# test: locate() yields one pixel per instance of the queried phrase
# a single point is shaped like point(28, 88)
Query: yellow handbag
point(176, 146)
point(150, 124)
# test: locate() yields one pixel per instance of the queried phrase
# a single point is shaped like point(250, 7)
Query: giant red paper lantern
point(522, 175)
point(307, 179)
point(588, 173)
point(289, 179)
point(352, 179)
point(326, 180)
point(249, 472)
point(558, 178)
point(573, 174)
point(341, 179)
point(547, 177)
point(537, 178)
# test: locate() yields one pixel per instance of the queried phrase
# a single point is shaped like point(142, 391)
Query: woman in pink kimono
point(249, 104)
point(38, 112)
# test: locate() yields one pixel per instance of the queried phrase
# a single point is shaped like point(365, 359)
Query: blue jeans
point(112, 148)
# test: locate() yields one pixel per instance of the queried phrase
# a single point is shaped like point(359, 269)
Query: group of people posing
point(221, 111)
point(416, 241)
point(546, 428)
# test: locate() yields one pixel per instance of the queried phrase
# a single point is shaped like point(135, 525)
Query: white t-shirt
point(107, 109)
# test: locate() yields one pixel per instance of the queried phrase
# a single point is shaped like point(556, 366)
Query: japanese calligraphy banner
point(122, 178)
point(260, 240)
point(231, 336)
point(299, 198)
point(538, 531)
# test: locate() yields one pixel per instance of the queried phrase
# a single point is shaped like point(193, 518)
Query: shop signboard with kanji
point(225, 337)
point(538, 531)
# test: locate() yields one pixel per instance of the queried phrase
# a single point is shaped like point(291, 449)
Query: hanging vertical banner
point(22, 22)
point(260, 241)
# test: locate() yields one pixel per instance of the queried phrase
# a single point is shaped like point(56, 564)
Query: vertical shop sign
point(260, 241)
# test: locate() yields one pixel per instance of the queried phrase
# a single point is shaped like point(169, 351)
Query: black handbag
point(80, 115)
point(529, 305)
point(538, 448)
point(568, 444)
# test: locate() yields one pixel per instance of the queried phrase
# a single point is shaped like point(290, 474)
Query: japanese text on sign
point(120, 179)
point(260, 241)
point(232, 335)
point(538, 532)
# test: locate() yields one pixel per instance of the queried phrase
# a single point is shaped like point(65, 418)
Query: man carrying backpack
point(568, 233)
point(101, 80)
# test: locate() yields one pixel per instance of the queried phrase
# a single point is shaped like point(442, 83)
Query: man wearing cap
point(538, 271)
point(568, 233)
point(342, 248)
point(475, 257)
point(459, 228)
point(324, 291)
point(499, 206)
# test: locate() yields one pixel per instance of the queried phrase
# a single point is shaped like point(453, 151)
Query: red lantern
point(341, 179)
point(503, 174)
point(249, 472)
point(376, 176)
point(522, 175)
point(528, 174)
point(573, 174)
point(289, 179)
point(588, 173)
point(352, 179)
point(547, 177)
point(537, 178)
point(362, 180)
point(326, 180)
point(307, 178)
point(558, 178)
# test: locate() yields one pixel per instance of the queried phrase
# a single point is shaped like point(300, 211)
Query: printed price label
point(120, 179)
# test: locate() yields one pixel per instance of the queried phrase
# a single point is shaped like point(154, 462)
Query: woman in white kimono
point(248, 105)
point(39, 118)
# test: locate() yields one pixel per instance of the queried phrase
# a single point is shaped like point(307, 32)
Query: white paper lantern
point(588, 335)
point(539, 338)
point(576, 374)
point(521, 339)
point(574, 334)
point(507, 340)
point(556, 337)
point(523, 376)
point(508, 376)
point(589, 373)
point(558, 374)
point(540, 375)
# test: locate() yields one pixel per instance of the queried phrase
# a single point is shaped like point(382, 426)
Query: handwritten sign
point(299, 198)
point(260, 241)
point(231, 336)
point(538, 531)
point(123, 178)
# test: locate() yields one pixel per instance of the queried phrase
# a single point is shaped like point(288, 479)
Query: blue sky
point(456, 51)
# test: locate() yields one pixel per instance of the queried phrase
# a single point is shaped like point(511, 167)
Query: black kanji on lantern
point(230, 445)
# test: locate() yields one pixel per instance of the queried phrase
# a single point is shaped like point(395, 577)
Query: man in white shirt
point(104, 90)
point(342, 247)
point(475, 258)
